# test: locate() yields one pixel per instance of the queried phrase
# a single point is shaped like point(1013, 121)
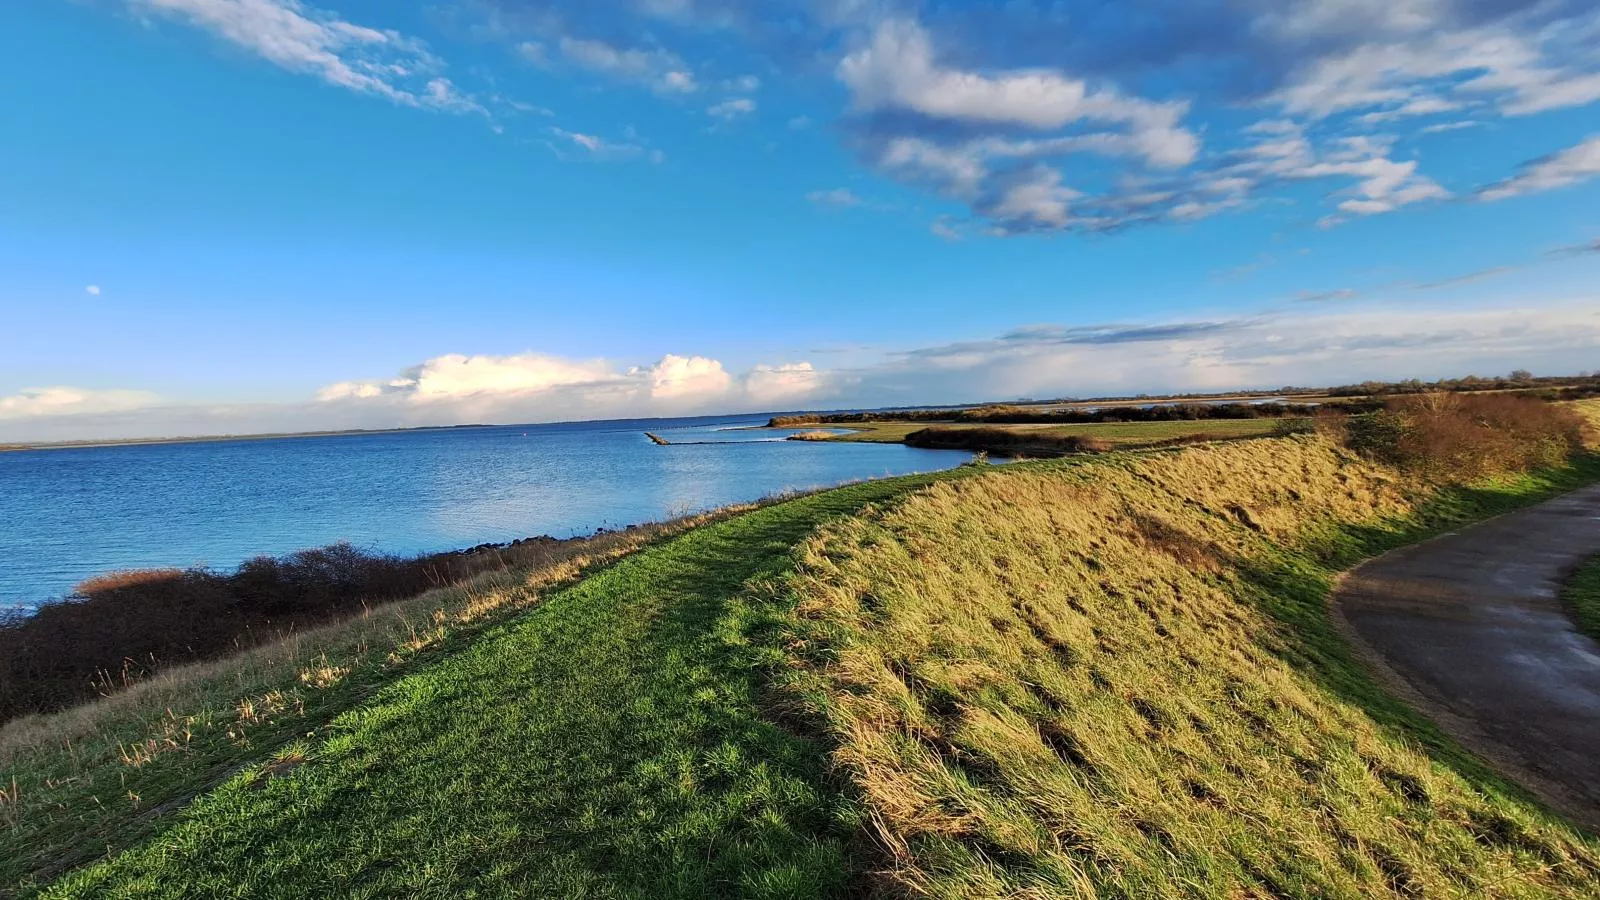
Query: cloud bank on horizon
point(982, 124)
point(1264, 350)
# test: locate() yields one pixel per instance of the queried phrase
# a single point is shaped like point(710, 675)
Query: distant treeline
point(118, 628)
point(1568, 387)
point(997, 441)
point(1025, 415)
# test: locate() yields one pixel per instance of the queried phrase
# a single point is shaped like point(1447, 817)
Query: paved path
point(1469, 627)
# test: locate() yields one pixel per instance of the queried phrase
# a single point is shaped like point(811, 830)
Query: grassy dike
point(608, 743)
point(1105, 676)
point(1120, 680)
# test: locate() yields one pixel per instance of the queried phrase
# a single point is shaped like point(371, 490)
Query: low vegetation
point(1044, 442)
point(610, 742)
point(1464, 436)
point(1118, 679)
point(1581, 595)
point(1004, 414)
point(121, 628)
point(1119, 435)
point(108, 774)
point(1035, 443)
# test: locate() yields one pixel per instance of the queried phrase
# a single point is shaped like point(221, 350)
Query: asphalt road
point(1469, 628)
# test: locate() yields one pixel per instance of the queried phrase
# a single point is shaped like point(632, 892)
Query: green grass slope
point(1581, 594)
point(608, 744)
point(1119, 679)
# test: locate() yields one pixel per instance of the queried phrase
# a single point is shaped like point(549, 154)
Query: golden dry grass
point(1064, 681)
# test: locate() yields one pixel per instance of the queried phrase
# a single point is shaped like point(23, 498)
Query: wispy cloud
point(92, 290)
point(656, 68)
point(65, 401)
point(1468, 278)
point(303, 38)
point(1567, 167)
point(1576, 249)
point(1325, 296)
point(837, 198)
point(731, 109)
point(594, 147)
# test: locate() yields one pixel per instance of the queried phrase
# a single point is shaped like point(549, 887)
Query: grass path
point(609, 744)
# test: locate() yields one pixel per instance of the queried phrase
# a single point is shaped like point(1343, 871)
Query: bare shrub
point(1464, 436)
point(1005, 441)
point(120, 628)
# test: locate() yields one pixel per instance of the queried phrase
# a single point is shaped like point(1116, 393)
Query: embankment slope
point(1100, 677)
point(1119, 679)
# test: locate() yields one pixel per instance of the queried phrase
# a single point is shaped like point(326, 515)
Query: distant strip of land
point(215, 438)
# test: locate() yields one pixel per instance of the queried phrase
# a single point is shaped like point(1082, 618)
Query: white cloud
point(598, 148)
point(455, 376)
point(531, 386)
point(661, 70)
point(1569, 166)
point(680, 377)
point(790, 382)
point(301, 38)
point(1309, 344)
point(1302, 343)
point(65, 401)
point(728, 110)
point(1506, 64)
point(838, 198)
point(92, 290)
point(897, 70)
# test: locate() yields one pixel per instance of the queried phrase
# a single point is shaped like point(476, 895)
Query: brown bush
point(120, 627)
point(1464, 436)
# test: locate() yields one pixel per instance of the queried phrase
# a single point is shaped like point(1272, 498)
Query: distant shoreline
point(217, 438)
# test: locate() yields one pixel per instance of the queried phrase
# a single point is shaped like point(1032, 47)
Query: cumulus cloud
point(92, 290)
point(302, 38)
point(1569, 166)
point(541, 386)
point(678, 377)
point(65, 401)
point(776, 385)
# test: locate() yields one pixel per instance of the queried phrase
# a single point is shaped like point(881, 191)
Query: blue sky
point(245, 215)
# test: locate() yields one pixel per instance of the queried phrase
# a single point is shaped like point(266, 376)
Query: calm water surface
point(69, 514)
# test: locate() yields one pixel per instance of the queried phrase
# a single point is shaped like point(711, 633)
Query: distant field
point(1121, 434)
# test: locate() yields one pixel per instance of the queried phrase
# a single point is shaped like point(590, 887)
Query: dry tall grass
point(1060, 680)
point(1459, 437)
